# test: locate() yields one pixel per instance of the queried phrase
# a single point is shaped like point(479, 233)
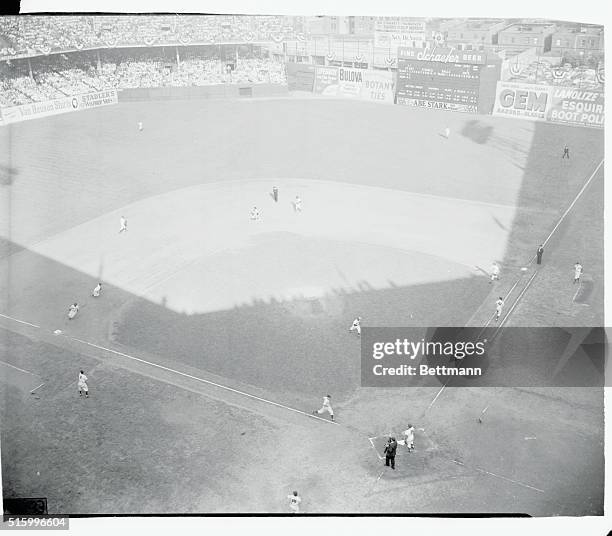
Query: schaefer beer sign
point(442, 55)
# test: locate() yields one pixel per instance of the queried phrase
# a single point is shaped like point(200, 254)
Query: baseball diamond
point(279, 211)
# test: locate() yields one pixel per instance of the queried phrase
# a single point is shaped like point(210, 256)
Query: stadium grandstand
point(45, 58)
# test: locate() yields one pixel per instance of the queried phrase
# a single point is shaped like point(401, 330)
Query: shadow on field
point(8, 175)
point(297, 348)
point(477, 131)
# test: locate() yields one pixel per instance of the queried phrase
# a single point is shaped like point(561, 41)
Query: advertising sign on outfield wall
point(576, 107)
point(325, 77)
point(363, 84)
point(438, 105)
point(555, 104)
point(521, 100)
point(75, 103)
point(441, 54)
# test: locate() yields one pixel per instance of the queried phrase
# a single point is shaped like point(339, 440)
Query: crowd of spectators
point(24, 81)
point(540, 72)
point(33, 34)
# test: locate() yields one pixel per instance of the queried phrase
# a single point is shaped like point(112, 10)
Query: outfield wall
point(74, 103)
point(220, 91)
point(372, 85)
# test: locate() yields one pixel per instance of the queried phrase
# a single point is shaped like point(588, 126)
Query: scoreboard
point(442, 79)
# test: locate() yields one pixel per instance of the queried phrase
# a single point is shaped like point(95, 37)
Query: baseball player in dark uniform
point(390, 450)
point(540, 253)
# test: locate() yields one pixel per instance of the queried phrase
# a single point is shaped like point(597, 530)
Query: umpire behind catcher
point(390, 450)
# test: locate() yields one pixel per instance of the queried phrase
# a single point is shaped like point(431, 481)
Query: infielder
point(326, 407)
point(140, 126)
point(83, 385)
point(294, 502)
point(577, 272)
point(499, 304)
point(123, 223)
point(297, 204)
point(255, 213)
point(96, 291)
point(356, 326)
point(73, 310)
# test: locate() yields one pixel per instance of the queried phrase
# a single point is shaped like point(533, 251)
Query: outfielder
point(123, 223)
point(326, 407)
point(565, 152)
point(83, 385)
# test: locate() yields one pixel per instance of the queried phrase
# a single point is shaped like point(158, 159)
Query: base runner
point(326, 407)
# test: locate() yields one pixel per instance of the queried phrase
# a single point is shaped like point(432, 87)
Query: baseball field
point(216, 335)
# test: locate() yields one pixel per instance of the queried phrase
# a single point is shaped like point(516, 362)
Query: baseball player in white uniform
point(356, 326)
point(326, 407)
point(96, 291)
point(577, 272)
point(297, 204)
point(294, 502)
point(123, 223)
point(494, 272)
point(499, 304)
point(255, 213)
point(73, 310)
point(409, 438)
point(83, 385)
point(140, 126)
